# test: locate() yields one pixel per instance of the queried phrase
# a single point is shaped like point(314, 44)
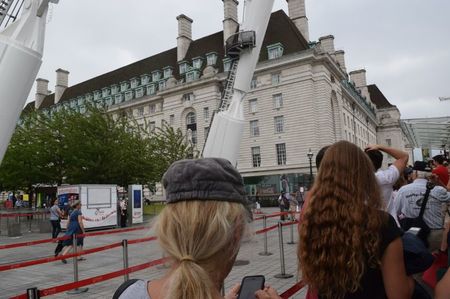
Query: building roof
point(378, 98)
point(281, 29)
point(427, 132)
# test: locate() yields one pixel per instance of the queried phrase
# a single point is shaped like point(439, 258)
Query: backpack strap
point(430, 186)
point(123, 287)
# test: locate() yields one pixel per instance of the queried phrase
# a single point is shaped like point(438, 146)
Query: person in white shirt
point(386, 178)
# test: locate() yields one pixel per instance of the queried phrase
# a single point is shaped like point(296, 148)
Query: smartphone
point(414, 230)
point(249, 286)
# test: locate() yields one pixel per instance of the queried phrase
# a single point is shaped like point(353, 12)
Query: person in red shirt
point(440, 170)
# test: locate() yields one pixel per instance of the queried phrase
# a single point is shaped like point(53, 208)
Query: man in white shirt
point(387, 177)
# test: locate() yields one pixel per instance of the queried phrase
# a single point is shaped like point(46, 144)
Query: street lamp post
point(310, 156)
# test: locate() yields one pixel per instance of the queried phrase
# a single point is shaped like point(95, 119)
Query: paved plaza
point(15, 282)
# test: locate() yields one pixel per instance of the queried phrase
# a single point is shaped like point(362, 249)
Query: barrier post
point(29, 224)
point(75, 270)
point(291, 232)
point(265, 252)
point(283, 266)
point(33, 293)
point(125, 258)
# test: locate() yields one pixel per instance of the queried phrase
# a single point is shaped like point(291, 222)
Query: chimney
point(62, 82)
point(327, 43)
point(41, 92)
point(230, 22)
point(184, 36)
point(340, 58)
point(297, 13)
point(359, 77)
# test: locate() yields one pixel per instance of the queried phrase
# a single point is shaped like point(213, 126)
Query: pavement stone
point(15, 282)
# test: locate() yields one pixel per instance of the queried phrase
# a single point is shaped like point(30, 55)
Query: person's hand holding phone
point(267, 293)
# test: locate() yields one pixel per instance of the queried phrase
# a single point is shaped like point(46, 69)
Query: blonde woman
point(200, 230)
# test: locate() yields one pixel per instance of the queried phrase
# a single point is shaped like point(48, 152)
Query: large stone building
point(302, 97)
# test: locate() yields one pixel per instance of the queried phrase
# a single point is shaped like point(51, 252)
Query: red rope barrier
point(107, 232)
point(12, 215)
point(71, 255)
point(93, 280)
point(292, 290)
point(261, 231)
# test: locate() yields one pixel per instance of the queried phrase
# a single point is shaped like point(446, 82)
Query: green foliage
point(90, 148)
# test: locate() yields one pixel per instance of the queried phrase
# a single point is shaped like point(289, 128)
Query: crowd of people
point(353, 234)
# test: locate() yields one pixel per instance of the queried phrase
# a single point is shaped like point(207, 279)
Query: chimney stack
point(359, 78)
point(230, 22)
point(340, 58)
point(327, 43)
point(184, 36)
point(62, 82)
point(41, 92)
point(297, 13)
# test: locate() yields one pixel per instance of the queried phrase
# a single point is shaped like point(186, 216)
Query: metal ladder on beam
point(7, 13)
point(228, 91)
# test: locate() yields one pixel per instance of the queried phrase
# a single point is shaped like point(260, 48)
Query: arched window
point(191, 124)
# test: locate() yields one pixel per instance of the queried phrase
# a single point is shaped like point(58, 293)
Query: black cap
point(421, 166)
point(204, 179)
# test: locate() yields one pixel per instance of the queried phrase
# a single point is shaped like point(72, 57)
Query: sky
point(404, 45)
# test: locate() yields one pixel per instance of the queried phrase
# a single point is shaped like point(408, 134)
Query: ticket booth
point(135, 204)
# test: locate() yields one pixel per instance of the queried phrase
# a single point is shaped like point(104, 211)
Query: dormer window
point(183, 67)
point(145, 79)
point(105, 92)
point(88, 97)
point(114, 89)
point(192, 75)
point(134, 82)
point(129, 95)
point(97, 95)
point(162, 85)
point(156, 75)
point(139, 92)
point(211, 58)
point(124, 86)
point(80, 101)
point(151, 89)
point(197, 63)
point(226, 64)
point(275, 51)
point(168, 72)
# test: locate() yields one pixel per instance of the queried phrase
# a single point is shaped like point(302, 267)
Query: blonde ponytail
point(202, 238)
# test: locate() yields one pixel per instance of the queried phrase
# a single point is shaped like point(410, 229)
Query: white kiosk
point(135, 204)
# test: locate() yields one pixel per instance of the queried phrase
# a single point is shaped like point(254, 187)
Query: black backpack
point(407, 223)
point(123, 287)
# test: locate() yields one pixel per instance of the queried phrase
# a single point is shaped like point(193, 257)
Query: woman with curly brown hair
point(348, 247)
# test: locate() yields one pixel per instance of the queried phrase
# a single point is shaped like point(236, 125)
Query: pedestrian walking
point(123, 212)
point(55, 218)
point(283, 202)
point(75, 226)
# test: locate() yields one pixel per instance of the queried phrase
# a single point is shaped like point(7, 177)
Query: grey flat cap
point(204, 179)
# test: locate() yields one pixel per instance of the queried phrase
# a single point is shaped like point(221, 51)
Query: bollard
point(291, 232)
point(75, 270)
point(265, 252)
point(125, 258)
point(33, 293)
point(283, 266)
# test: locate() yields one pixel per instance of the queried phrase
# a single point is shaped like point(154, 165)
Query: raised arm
point(401, 157)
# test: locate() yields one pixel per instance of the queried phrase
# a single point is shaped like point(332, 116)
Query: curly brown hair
point(340, 231)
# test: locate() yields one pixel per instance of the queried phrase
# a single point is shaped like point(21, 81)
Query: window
point(206, 113)
point(211, 58)
point(140, 111)
point(162, 85)
point(145, 79)
point(156, 75)
point(139, 92)
point(254, 128)
point(388, 142)
point(256, 156)
point(134, 82)
point(276, 78)
point(275, 51)
point(191, 76)
point(281, 153)
point(183, 67)
point(118, 98)
point(172, 119)
point(151, 89)
point(345, 120)
point(188, 97)
point(105, 92)
point(97, 95)
point(253, 105)
point(254, 83)
point(167, 72)
point(151, 126)
point(197, 63)
point(124, 86)
point(152, 108)
point(277, 101)
point(129, 95)
point(191, 126)
point(226, 64)
point(279, 124)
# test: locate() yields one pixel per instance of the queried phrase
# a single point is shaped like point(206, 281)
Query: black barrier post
point(265, 252)
point(283, 267)
point(291, 231)
point(125, 258)
point(75, 269)
point(33, 293)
